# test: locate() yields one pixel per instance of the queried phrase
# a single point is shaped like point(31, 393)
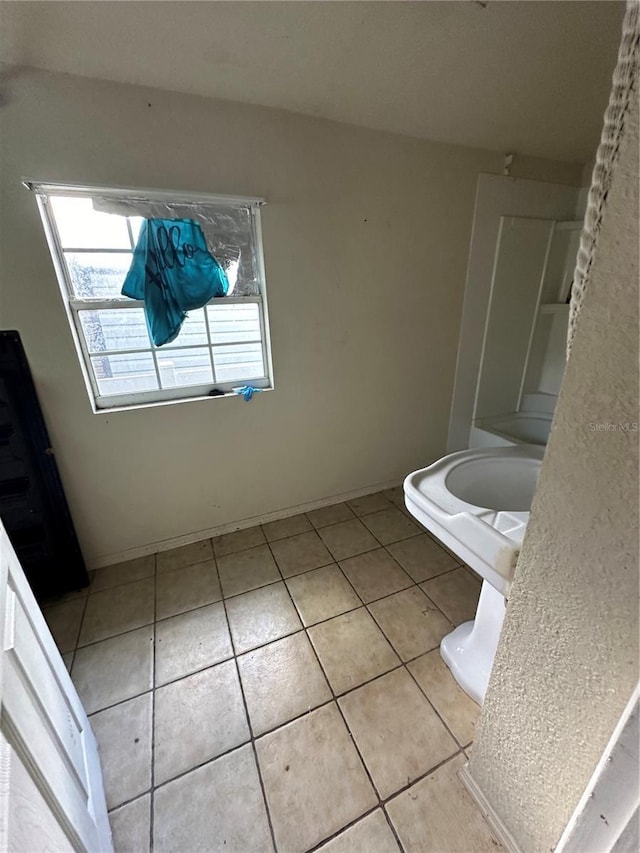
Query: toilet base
point(470, 649)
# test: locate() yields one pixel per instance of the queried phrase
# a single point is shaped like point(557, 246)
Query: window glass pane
point(135, 222)
point(96, 275)
point(229, 323)
point(180, 367)
point(81, 227)
point(124, 374)
point(230, 237)
point(231, 240)
point(193, 331)
point(238, 363)
point(116, 329)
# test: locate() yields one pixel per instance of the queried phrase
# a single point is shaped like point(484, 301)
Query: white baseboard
point(494, 820)
point(188, 538)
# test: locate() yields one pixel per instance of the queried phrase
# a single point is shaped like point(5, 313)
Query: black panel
point(33, 506)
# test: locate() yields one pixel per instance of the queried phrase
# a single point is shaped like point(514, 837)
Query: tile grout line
point(152, 804)
point(247, 716)
point(75, 647)
point(303, 627)
point(351, 824)
point(420, 531)
point(273, 583)
point(381, 803)
point(284, 578)
point(402, 665)
point(91, 592)
point(378, 805)
point(334, 697)
point(339, 709)
point(405, 663)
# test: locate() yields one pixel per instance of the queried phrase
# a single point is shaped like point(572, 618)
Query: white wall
point(567, 661)
point(366, 236)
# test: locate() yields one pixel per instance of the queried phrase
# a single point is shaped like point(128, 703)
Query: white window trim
point(101, 404)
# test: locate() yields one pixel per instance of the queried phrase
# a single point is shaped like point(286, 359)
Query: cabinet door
point(50, 777)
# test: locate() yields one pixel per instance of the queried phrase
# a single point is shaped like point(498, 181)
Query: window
point(92, 233)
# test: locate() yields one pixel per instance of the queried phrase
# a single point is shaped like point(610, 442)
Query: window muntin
point(92, 237)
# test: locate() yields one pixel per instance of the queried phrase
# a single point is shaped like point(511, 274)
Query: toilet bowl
point(477, 503)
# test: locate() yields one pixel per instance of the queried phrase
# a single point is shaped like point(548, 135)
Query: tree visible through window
point(92, 235)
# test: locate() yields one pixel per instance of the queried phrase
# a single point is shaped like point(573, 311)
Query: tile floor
point(280, 688)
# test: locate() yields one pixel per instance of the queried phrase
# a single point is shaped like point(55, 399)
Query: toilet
point(477, 503)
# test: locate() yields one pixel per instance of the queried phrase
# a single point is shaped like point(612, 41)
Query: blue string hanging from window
point(173, 272)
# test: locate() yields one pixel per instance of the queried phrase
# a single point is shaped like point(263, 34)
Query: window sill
point(157, 403)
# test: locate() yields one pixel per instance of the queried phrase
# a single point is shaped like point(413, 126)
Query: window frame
point(73, 304)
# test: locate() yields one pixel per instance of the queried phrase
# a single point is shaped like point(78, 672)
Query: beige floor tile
point(67, 657)
point(438, 814)
point(131, 826)
point(412, 518)
point(198, 718)
point(390, 525)
point(352, 650)
point(410, 622)
point(132, 570)
point(281, 681)
point(124, 743)
point(454, 706)
point(396, 730)
point(329, 515)
point(239, 540)
point(191, 641)
point(474, 575)
point(186, 555)
point(116, 610)
point(261, 616)
point(375, 574)
point(52, 600)
point(300, 554)
point(455, 593)
point(314, 780)
point(187, 588)
point(114, 670)
point(422, 558)
point(284, 527)
point(370, 835)
point(218, 807)
point(347, 539)
point(369, 503)
point(322, 594)
point(246, 570)
point(64, 622)
point(395, 495)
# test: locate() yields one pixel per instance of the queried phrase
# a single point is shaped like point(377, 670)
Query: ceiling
point(531, 77)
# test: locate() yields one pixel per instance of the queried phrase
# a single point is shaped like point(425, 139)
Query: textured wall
point(568, 656)
point(366, 237)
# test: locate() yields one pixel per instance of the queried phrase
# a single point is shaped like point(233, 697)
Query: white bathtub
point(512, 428)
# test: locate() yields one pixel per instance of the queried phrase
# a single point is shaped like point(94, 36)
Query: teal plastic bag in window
point(173, 272)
